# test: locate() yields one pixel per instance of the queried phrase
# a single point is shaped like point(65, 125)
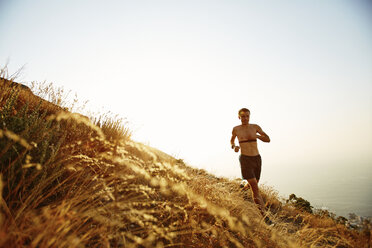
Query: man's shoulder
point(237, 127)
point(256, 127)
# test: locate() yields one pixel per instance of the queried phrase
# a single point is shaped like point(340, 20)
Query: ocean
point(341, 191)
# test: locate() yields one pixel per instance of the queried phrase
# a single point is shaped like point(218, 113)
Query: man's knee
point(254, 185)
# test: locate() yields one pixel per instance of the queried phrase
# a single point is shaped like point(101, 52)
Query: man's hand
point(263, 138)
point(236, 148)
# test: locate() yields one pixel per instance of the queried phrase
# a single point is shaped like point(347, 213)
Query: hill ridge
point(74, 187)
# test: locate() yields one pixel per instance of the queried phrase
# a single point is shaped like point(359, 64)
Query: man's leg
point(256, 194)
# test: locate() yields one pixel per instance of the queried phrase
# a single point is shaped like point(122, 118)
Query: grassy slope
point(67, 182)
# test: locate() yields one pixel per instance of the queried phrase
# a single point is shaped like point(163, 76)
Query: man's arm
point(232, 141)
point(262, 135)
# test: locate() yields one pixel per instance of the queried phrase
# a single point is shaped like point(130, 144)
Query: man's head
point(244, 115)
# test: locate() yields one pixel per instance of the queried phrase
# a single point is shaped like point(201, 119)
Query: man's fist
point(236, 148)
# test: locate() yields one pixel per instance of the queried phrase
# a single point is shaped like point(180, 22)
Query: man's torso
point(247, 139)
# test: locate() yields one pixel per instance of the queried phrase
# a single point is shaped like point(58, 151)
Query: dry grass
point(69, 182)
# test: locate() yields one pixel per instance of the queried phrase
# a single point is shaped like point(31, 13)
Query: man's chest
point(246, 133)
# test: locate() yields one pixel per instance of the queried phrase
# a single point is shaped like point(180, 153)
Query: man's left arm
point(262, 135)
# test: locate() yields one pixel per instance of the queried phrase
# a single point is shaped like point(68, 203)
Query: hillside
point(72, 181)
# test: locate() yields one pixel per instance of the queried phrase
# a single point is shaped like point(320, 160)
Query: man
point(250, 159)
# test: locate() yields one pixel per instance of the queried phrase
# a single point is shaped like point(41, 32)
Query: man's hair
point(243, 110)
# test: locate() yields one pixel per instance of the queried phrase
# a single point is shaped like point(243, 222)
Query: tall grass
point(72, 181)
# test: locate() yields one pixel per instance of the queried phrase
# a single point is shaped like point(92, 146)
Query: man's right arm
point(232, 141)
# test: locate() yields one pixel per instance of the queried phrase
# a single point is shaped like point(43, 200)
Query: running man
point(250, 159)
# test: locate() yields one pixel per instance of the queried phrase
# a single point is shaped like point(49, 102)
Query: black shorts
point(250, 166)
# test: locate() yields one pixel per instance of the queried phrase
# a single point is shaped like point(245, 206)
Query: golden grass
point(67, 182)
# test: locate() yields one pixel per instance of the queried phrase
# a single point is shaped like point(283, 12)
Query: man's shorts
point(250, 166)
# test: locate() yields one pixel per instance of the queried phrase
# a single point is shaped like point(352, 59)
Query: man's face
point(244, 117)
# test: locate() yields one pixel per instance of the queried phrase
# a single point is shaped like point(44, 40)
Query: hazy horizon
point(180, 71)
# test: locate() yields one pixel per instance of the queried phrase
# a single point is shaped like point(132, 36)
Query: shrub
point(300, 203)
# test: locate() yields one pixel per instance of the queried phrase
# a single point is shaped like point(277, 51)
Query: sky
point(179, 71)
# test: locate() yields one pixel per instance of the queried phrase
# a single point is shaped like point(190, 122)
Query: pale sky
point(179, 71)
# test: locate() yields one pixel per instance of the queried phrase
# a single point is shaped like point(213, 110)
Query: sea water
point(339, 190)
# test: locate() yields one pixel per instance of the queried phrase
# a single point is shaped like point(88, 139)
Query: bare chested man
point(250, 159)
